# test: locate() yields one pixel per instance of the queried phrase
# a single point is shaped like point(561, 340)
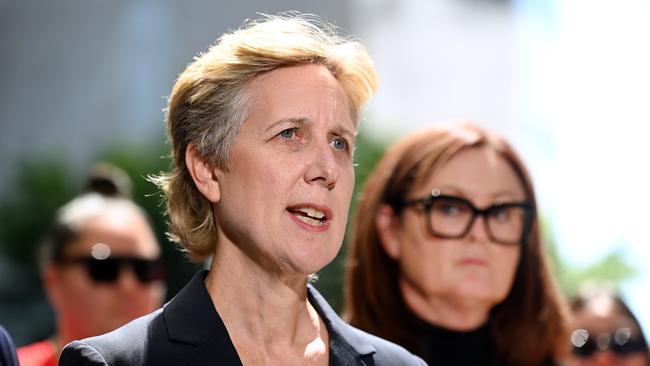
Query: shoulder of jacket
point(386, 352)
point(126, 345)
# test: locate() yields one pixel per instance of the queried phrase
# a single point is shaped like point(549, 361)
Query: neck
point(65, 335)
point(59, 341)
point(446, 311)
point(268, 315)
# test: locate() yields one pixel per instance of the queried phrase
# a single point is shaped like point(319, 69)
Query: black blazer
point(7, 349)
point(189, 331)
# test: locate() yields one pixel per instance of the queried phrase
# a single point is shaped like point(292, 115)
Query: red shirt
point(43, 353)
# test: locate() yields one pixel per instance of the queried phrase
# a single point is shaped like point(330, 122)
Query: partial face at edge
point(599, 318)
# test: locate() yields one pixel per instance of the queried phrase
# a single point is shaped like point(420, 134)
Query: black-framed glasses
point(621, 342)
point(108, 270)
point(452, 217)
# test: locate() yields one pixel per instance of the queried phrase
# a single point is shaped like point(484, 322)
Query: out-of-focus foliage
point(40, 188)
point(610, 270)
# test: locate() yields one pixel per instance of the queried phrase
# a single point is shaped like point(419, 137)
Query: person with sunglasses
point(606, 332)
point(446, 257)
point(100, 265)
point(262, 129)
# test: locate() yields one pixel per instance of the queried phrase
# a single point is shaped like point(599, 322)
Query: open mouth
point(309, 215)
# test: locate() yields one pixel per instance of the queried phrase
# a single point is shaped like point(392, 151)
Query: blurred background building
point(566, 81)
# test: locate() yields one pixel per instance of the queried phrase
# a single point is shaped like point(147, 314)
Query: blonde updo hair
point(210, 100)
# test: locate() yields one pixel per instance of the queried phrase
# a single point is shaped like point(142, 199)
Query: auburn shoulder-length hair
point(528, 327)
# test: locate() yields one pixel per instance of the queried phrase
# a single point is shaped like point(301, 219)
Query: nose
point(604, 358)
point(478, 230)
point(127, 280)
point(322, 168)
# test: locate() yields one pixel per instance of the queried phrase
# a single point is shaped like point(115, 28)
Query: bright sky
point(587, 75)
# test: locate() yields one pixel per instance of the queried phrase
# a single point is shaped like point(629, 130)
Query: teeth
point(312, 212)
point(310, 221)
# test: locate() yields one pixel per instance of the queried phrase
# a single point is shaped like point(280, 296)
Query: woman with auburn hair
point(446, 258)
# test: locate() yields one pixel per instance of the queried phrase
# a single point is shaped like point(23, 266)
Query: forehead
point(308, 90)
point(479, 173)
point(596, 320)
point(123, 229)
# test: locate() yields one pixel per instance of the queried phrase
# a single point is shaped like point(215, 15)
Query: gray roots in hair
point(211, 98)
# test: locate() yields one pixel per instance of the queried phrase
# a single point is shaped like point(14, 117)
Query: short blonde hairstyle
point(209, 103)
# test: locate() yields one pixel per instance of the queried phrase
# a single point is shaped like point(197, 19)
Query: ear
point(387, 227)
point(203, 174)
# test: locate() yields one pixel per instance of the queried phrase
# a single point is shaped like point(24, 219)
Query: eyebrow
point(339, 129)
point(297, 120)
point(342, 131)
point(497, 195)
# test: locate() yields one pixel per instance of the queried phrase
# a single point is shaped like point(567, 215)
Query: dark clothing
point(472, 348)
point(189, 331)
point(447, 347)
point(7, 349)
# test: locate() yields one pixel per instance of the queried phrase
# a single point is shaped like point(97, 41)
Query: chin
point(313, 261)
point(480, 294)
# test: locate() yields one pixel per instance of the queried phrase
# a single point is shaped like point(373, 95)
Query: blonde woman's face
point(472, 268)
point(286, 196)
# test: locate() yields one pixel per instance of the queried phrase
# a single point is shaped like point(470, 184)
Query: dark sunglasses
point(108, 270)
point(620, 342)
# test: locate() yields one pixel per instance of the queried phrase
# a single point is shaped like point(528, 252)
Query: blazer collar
point(356, 342)
point(192, 319)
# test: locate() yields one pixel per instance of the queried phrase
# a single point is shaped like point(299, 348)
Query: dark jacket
point(7, 349)
point(189, 331)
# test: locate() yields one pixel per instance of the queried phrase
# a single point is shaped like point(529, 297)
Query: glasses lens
point(507, 223)
point(147, 270)
point(586, 350)
point(583, 344)
point(621, 342)
point(450, 217)
point(103, 270)
point(625, 343)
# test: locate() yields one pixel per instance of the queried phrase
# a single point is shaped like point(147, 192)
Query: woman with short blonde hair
point(262, 128)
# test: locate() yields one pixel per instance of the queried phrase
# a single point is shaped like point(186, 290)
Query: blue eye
point(339, 144)
point(288, 133)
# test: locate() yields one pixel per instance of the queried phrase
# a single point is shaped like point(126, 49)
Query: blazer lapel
point(358, 348)
point(191, 319)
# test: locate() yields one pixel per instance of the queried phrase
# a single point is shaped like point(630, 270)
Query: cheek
point(345, 189)
point(424, 259)
point(151, 295)
point(506, 260)
point(84, 297)
point(75, 281)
